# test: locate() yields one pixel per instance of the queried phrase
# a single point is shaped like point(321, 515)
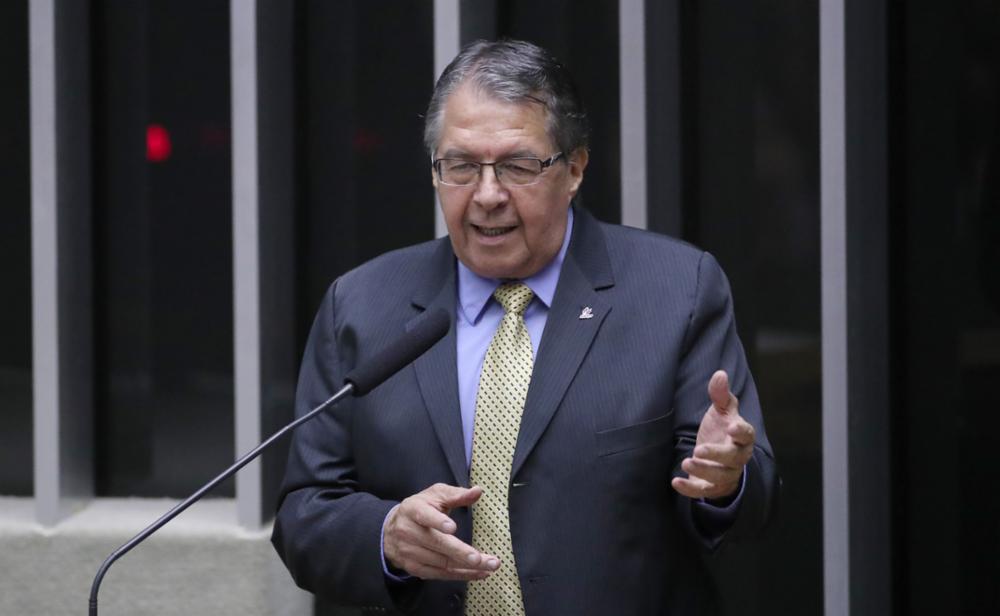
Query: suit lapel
point(569, 330)
point(436, 369)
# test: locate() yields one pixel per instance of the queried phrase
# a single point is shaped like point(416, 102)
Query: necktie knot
point(514, 297)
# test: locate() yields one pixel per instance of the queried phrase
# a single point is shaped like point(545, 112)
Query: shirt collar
point(474, 291)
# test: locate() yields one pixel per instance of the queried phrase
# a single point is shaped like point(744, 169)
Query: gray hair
point(514, 72)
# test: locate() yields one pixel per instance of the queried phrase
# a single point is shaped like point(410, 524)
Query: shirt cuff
point(403, 576)
point(714, 519)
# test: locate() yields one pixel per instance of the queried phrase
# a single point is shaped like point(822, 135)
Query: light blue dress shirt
point(478, 316)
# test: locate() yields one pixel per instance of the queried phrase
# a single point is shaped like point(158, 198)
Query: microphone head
point(401, 352)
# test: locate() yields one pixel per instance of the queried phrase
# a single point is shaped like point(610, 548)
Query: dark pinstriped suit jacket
point(614, 406)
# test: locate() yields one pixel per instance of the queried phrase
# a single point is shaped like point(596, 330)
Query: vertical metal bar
point(61, 257)
point(44, 258)
point(447, 25)
point(632, 93)
point(833, 230)
point(246, 262)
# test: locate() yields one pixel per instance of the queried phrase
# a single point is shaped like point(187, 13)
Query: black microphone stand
point(179, 508)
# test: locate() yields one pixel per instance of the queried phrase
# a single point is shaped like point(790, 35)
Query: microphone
point(403, 351)
point(359, 381)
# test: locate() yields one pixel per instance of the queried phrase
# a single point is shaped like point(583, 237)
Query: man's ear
point(577, 164)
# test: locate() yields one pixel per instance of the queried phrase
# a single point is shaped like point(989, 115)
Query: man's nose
point(490, 192)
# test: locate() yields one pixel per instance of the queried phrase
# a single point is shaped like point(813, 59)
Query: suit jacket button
point(455, 601)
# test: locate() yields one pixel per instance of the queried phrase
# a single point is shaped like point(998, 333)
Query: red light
point(366, 142)
point(157, 143)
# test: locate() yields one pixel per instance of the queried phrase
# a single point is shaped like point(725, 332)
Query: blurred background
point(147, 337)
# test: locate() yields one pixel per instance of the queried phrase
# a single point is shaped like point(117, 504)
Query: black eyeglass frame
point(543, 164)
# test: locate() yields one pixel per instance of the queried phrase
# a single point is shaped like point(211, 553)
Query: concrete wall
point(201, 563)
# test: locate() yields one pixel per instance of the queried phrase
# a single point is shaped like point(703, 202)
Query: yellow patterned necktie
point(503, 386)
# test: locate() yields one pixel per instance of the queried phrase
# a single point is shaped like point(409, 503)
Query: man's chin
point(496, 267)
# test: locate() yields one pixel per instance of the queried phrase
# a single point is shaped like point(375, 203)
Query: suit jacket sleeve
point(327, 531)
point(711, 343)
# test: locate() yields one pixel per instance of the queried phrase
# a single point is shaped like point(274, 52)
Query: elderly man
point(587, 426)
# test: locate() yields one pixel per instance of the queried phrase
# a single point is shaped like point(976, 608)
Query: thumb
point(718, 391)
point(451, 497)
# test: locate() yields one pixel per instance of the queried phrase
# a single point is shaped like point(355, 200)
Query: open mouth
point(493, 231)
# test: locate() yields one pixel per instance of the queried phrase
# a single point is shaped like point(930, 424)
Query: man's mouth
point(493, 231)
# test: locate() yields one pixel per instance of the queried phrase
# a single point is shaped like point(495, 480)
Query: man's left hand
point(723, 447)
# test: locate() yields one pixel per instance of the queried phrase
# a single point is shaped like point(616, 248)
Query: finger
point(712, 472)
point(417, 555)
point(692, 487)
point(411, 556)
point(406, 542)
point(726, 454)
point(695, 488)
point(705, 465)
point(742, 432)
point(407, 531)
point(426, 515)
point(431, 506)
point(451, 497)
point(436, 573)
point(718, 391)
point(428, 564)
point(457, 551)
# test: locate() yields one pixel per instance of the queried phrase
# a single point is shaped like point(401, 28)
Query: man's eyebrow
point(522, 154)
point(457, 153)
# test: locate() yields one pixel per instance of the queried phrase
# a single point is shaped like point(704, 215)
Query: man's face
point(498, 230)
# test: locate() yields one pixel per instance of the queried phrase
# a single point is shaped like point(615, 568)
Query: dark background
point(162, 247)
point(15, 254)
point(945, 337)
point(750, 189)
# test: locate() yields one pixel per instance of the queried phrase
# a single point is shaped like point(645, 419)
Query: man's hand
point(420, 537)
point(724, 445)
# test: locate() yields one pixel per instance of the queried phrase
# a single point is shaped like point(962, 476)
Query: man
point(572, 443)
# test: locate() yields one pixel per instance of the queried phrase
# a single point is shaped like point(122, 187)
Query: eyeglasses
point(518, 171)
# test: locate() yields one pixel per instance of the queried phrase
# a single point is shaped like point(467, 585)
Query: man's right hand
point(420, 537)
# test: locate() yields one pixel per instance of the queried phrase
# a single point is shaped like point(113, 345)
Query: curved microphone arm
point(359, 381)
point(179, 508)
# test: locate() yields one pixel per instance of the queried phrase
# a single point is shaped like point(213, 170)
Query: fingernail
point(473, 559)
point(492, 563)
